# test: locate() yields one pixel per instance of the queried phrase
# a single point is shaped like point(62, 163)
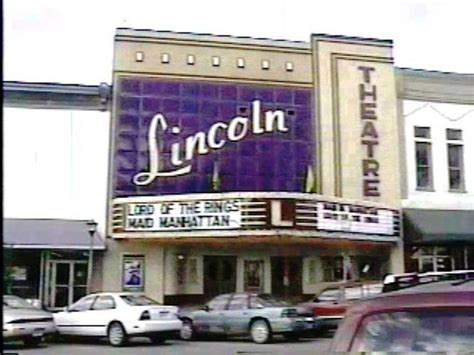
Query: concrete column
point(397, 261)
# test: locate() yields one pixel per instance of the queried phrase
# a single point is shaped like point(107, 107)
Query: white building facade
point(438, 113)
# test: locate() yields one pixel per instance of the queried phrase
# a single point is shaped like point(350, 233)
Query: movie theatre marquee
point(253, 214)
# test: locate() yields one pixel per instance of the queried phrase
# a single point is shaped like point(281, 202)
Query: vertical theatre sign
point(369, 135)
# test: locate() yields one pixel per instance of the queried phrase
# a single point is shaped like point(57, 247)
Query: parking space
point(143, 346)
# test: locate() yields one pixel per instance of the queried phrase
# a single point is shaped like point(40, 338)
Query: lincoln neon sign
point(202, 142)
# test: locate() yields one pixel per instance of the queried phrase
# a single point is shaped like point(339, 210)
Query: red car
point(430, 317)
point(329, 306)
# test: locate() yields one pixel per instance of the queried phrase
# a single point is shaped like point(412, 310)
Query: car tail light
point(145, 316)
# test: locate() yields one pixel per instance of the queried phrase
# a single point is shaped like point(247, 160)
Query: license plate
point(38, 333)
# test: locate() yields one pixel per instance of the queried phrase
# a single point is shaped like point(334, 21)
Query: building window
point(434, 259)
point(424, 165)
point(455, 159)
point(333, 269)
point(370, 267)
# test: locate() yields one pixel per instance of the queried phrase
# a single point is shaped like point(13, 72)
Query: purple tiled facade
point(273, 161)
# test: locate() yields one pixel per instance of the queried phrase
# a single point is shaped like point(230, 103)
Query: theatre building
point(241, 164)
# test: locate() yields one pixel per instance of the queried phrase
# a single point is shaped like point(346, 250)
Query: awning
point(22, 233)
point(438, 226)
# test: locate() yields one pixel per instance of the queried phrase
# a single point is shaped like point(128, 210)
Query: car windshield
point(138, 300)
point(417, 331)
point(15, 302)
point(270, 301)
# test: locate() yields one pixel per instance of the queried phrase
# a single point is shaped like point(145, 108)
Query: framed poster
point(133, 273)
point(253, 275)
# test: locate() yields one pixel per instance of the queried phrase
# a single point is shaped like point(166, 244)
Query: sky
point(55, 163)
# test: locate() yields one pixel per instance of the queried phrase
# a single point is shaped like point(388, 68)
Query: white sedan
point(119, 316)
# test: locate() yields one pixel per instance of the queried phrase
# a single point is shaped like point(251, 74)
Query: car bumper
point(23, 330)
point(155, 327)
point(326, 322)
point(295, 325)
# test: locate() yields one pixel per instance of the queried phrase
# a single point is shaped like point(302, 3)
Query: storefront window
point(426, 264)
point(370, 267)
point(333, 269)
point(23, 270)
point(436, 259)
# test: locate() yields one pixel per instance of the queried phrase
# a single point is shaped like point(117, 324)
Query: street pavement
point(140, 346)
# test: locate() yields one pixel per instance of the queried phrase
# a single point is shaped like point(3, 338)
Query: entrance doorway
point(219, 275)
point(68, 282)
point(287, 276)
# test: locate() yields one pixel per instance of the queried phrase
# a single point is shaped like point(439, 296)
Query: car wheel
point(291, 336)
point(187, 330)
point(116, 334)
point(156, 339)
point(32, 341)
point(260, 331)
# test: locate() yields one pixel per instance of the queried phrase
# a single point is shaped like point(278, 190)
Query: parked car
point(329, 306)
point(394, 282)
point(259, 315)
point(22, 321)
point(431, 317)
point(119, 316)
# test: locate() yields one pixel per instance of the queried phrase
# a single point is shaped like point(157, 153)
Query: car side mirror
point(206, 308)
point(260, 306)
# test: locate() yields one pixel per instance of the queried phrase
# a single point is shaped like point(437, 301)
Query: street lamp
point(92, 228)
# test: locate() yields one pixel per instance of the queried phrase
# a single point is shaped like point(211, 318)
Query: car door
point(237, 315)
point(74, 319)
point(103, 310)
point(211, 320)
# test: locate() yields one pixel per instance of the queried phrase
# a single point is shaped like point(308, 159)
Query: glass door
point(61, 274)
point(68, 282)
point(219, 275)
point(79, 280)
